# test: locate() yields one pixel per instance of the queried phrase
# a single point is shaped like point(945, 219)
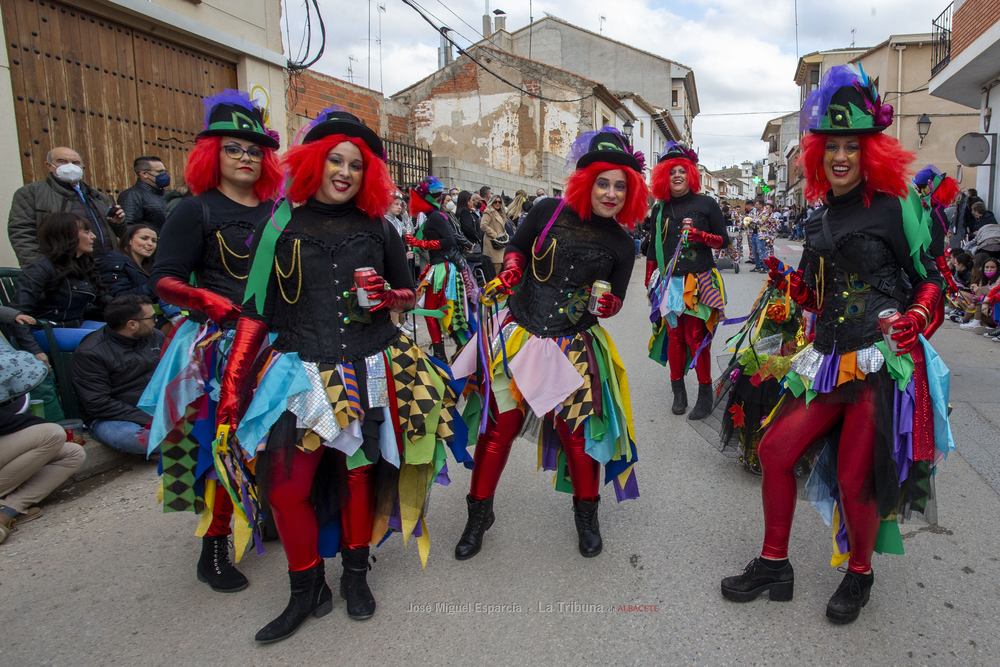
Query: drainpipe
point(899, 87)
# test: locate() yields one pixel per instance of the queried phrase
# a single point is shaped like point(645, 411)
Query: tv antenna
point(350, 68)
point(601, 29)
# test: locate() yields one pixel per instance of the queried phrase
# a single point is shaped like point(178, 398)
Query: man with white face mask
point(62, 190)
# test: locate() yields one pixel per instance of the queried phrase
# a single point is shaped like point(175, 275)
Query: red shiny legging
point(787, 439)
point(222, 513)
point(433, 329)
point(295, 517)
point(494, 445)
point(687, 335)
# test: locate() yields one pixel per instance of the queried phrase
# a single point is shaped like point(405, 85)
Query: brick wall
point(465, 79)
point(970, 21)
point(398, 127)
point(310, 93)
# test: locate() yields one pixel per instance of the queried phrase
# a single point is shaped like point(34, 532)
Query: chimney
point(487, 23)
point(445, 56)
point(500, 23)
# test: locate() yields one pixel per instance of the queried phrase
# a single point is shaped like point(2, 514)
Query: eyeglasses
point(143, 319)
point(235, 152)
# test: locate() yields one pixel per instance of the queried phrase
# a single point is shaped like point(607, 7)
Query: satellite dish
point(973, 149)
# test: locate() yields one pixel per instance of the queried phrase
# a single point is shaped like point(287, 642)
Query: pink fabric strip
point(548, 226)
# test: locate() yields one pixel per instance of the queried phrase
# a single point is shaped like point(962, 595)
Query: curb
point(100, 458)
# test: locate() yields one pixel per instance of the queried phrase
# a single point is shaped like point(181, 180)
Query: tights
point(294, 514)
point(787, 439)
point(222, 513)
point(433, 329)
point(688, 335)
point(494, 445)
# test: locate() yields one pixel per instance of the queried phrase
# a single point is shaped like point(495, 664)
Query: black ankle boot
point(354, 584)
point(703, 406)
point(310, 595)
point(215, 569)
point(588, 527)
point(851, 596)
point(438, 352)
point(480, 519)
point(680, 405)
point(757, 578)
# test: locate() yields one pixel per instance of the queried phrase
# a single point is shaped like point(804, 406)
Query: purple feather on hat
point(581, 147)
point(228, 96)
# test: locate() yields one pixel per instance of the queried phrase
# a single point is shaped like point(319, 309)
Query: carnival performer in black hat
point(687, 296)
point(937, 192)
point(881, 400)
point(547, 356)
point(234, 173)
point(347, 413)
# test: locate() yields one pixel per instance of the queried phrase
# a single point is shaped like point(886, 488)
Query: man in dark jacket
point(144, 202)
point(62, 190)
point(111, 369)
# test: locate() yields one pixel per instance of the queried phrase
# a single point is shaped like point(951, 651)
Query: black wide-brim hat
point(232, 113)
point(332, 122)
point(609, 147)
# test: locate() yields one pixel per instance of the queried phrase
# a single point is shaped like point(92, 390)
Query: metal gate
point(407, 164)
point(108, 91)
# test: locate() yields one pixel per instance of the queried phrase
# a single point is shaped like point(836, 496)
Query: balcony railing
point(941, 40)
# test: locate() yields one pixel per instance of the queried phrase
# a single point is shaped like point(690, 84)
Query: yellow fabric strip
point(206, 515)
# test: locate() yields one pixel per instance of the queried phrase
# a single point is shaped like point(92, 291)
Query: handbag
point(501, 242)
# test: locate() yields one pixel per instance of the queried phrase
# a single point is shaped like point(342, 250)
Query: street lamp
point(923, 127)
point(628, 131)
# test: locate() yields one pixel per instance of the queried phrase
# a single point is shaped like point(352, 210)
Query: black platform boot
point(588, 527)
point(703, 406)
point(438, 352)
point(480, 519)
point(215, 569)
point(757, 577)
point(310, 595)
point(680, 405)
point(354, 584)
point(851, 596)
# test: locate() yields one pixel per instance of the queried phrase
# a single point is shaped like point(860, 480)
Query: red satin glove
point(177, 292)
point(608, 305)
point(650, 267)
point(711, 240)
point(949, 280)
point(914, 321)
point(800, 293)
point(249, 336)
point(512, 272)
point(411, 240)
point(396, 300)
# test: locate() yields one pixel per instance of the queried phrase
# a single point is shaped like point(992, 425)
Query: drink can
point(688, 223)
point(37, 407)
point(886, 319)
point(361, 278)
point(597, 290)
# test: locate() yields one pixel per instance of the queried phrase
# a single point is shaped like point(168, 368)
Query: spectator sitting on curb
point(111, 369)
point(35, 459)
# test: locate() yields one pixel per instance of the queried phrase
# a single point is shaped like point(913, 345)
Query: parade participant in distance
point(734, 228)
point(688, 295)
point(441, 284)
point(557, 363)
point(887, 396)
point(345, 400)
point(235, 174)
point(937, 192)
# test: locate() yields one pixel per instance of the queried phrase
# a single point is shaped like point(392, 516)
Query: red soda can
point(687, 223)
point(886, 319)
point(361, 278)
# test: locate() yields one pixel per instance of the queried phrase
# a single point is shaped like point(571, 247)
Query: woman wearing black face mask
point(144, 202)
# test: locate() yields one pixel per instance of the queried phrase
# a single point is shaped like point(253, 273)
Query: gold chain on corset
point(223, 249)
point(296, 263)
point(538, 258)
point(820, 284)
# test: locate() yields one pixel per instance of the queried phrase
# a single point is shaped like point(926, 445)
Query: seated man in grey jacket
point(111, 369)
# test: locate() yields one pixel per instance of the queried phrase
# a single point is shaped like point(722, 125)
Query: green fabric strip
point(918, 232)
point(260, 271)
point(659, 241)
point(900, 368)
point(889, 541)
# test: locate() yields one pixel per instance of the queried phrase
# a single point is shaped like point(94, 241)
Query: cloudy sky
point(743, 52)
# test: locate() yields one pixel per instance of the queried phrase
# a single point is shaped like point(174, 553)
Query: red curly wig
point(661, 177)
point(885, 166)
point(581, 182)
point(201, 173)
point(946, 192)
point(306, 165)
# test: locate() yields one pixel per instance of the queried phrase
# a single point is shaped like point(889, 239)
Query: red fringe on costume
point(201, 173)
point(306, 165)
point(661, 177)
point(580, 184)
point(885, 166)
point(419, 205)
point(946, 192)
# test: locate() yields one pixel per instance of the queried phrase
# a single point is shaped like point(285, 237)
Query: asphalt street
point(106, 578)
